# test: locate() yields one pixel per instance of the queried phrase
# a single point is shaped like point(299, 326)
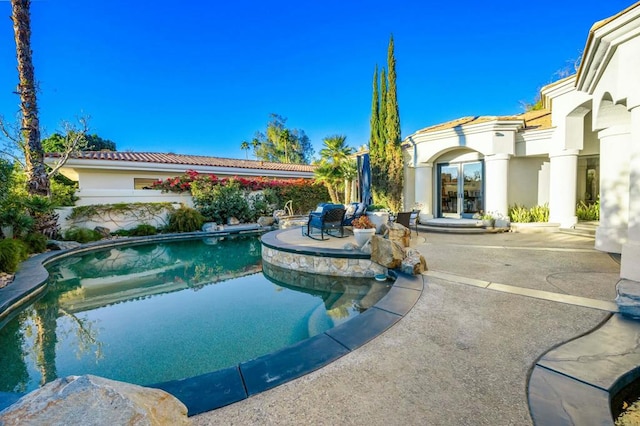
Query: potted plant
point(379, 215)
point(363, 230)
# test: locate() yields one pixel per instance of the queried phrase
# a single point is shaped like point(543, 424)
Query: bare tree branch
point(74, 141)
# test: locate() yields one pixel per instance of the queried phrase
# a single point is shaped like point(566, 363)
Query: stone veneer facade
point(343, 267)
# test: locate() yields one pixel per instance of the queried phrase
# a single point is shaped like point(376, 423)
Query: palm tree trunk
point(37, 179)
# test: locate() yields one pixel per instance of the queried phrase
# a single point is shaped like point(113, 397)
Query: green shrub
point(539, 213)
point(82, 235)
point(36, 243)
point(63, 191)
point(185, 219)
point(588, 211)
point(220, 202)
point(519, 214)
point(12, 252)
point(142, 230)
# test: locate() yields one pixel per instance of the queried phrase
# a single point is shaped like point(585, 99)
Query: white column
point(563, 184)
point(630, 265)
point(614, 188)
point(496, 183)
point(424, 190)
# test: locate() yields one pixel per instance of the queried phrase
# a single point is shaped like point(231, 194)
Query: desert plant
point(539, 213)
point(519, 214)
point(82, 235)
point(35, 242)
point(142, 230)
point(185, 219)
point(12, 252)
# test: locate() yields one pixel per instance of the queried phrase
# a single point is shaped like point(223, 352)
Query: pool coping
point(575, 382)
point(216, 389)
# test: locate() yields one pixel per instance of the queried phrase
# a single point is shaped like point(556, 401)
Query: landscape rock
point(103, 231)
point(386, 252)
point(266, 221)
point(350, 247)
point(210, 227)
point(91, 400)
point(414, 263)
point(398, 233)
point(62, 245)
point(233, 221)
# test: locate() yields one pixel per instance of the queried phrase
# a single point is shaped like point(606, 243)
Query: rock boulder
point(386, 252)
point(91, 400)
point(398, 233)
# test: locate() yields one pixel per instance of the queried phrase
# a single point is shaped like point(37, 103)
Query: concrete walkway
point(463, 354)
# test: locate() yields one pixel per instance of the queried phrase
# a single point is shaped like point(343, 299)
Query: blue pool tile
point(271, 370)
point(207, 391)
point(359, 330)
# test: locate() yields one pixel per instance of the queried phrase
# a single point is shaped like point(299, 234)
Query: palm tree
point(37, 178)
point(330, 176)
point(255, 144)
point(245, 147)
point(349, 170)
point(330, 171)
point(335, 150)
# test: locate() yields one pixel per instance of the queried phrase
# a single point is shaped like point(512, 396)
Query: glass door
point(448, 178)
point(472, 194)
point(461, 189)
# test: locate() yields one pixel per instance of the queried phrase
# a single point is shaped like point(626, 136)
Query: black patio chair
point(329, 219)
point(408, 220)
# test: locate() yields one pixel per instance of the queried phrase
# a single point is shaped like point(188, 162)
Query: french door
point(461, 189)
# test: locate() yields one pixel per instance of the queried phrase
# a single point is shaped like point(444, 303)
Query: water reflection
point(87, 282)
point(339, 294)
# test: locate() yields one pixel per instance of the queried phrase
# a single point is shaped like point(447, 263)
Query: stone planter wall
point(343, 267)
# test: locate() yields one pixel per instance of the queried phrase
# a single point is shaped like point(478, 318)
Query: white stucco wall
point(528, 181)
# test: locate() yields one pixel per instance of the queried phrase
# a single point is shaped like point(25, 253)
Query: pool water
point(156, 312)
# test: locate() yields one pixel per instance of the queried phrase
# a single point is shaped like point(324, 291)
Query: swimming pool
point(158, 312)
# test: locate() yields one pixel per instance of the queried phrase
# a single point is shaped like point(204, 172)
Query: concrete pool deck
point(492, 308)
point(495, 338)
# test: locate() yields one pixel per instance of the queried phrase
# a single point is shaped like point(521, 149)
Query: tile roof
point(187, 160)
point(540, 119)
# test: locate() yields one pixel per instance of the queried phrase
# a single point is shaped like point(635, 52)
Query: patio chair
point(326, 218)
point(408, 220)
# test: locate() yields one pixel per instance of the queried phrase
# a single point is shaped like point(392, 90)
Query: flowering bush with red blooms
point(304, 193)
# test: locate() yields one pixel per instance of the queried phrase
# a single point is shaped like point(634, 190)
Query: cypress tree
point(393, 115)
point(382, 115)
point(393, 154)
point(374, 140)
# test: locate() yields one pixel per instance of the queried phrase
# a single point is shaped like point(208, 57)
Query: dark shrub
point(185, 219)
point(142, 230)
point(82, 235)
point(36, 243)
point(12, 252)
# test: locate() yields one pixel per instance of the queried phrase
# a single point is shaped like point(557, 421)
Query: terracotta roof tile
point(187, 160)
point(540, 119)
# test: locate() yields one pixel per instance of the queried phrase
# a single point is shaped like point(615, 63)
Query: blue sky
point(200, 77)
